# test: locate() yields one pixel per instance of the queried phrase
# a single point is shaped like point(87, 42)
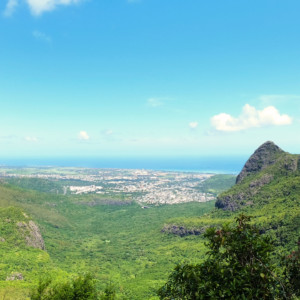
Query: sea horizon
point(201, 164)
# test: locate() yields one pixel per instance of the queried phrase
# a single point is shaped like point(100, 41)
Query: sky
point(148, 77)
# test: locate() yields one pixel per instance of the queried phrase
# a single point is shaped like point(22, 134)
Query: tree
point(238, 266)
point(80, 288)
point(292, 272)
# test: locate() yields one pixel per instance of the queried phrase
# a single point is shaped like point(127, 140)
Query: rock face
point(263, 157)
point(32, 234)
point(265, 165)
point(182, 231)
point(15, 276)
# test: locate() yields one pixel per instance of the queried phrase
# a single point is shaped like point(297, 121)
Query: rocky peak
point(264, 156)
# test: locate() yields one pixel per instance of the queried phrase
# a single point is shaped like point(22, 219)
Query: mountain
point(268, 166)
point(267, 188)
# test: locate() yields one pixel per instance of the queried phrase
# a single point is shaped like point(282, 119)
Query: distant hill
point(217, 184)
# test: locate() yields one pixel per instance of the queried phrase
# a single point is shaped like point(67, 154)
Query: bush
point(292, 272)
point(238, 267)
point(80, 288)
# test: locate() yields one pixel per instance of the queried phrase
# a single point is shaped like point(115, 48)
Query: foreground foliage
point(82, 287)
point(292, 271)
point(238, 266)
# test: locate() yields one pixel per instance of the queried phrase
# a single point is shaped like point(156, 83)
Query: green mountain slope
point(23, 258)
point(268, 188)
point(119, 244)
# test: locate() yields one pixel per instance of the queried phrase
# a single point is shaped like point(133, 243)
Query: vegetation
point(238, 266)
point(217, 184)
point(271, 195)
point(79, 288)
point(120, 244)
point(292, 271)
point(268, 189)
point(123, 244)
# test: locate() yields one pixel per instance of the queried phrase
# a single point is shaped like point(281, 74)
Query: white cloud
point(82, 135)
point(41, 36)
point(155, 102)
point(37, 7)
point(249, 118)
point(10, 8)
point(31, 139)
point(193, 125)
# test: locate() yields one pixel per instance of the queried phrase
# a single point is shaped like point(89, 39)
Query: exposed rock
point(2, 239)
point(230, 202)
point(263, 157)
point(267, 178)
point(291, 164)
point(182, 231)
point(15, 276)
point(32, 234)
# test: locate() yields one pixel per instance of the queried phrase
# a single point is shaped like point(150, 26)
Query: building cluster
point(145, 186)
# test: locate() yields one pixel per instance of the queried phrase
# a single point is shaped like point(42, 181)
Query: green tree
point(79, 288)
point(292, 272)
point(109, 293)
point(238, 266)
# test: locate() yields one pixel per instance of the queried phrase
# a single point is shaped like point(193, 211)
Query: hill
point(267, 188)
point(119, 243)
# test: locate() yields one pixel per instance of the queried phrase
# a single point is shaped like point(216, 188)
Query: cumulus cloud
point(41, 36)
point(249, 118)
point(31, 139)
point(193, 125)
point(10, 8)
point(82, 135)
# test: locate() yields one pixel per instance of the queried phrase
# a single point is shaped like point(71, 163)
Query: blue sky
point(148, 77)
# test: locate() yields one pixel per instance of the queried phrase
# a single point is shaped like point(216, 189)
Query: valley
point(113, 235)
point(95, 221)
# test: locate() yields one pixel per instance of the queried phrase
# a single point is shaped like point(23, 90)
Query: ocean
point(208, 164)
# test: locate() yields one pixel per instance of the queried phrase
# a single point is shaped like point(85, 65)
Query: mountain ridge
point(268, 189)
point(266, 164)
point(264, 156)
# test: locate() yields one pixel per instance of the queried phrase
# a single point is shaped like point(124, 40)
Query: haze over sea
point(208, 164)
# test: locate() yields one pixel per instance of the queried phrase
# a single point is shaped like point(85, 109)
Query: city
point(143, 186)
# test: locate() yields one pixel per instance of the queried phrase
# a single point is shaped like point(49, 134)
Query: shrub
point(80, 288)
point(238, 266)
point(292, 272)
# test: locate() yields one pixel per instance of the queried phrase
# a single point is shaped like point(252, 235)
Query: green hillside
point(268, 188)
point(119, 243)
point(132, 247)
point(217, 184)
